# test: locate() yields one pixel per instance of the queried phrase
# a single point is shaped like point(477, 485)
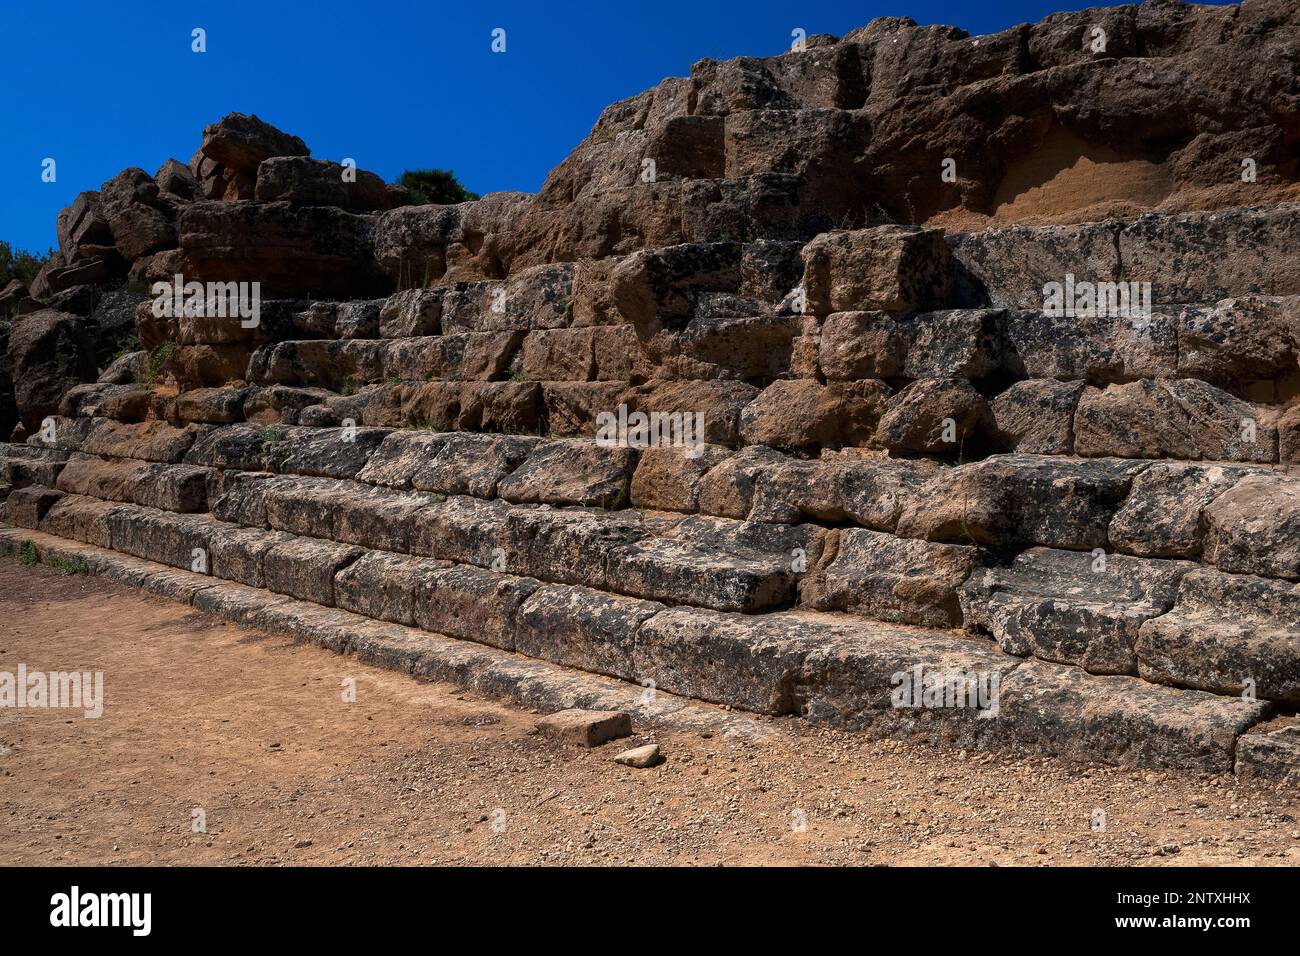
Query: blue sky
point(103, 85)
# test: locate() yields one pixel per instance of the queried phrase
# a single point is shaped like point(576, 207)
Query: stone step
point(1227, 633)
point(477, 667)
point(1072, 607)
point(1239, 518)
point(22, 465)
point(938, 686)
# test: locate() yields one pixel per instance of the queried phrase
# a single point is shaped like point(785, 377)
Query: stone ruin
point(842, 384)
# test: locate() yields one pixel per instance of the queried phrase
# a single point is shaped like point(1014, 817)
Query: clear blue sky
point(107, 84)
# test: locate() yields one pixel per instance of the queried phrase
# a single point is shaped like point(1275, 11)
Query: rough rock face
point(759, 400)
point(48, 352)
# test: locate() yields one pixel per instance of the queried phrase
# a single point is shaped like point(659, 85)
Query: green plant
point(20, 264)
point(28, 555)
point(158, 359)
point(436, 186)
point(69, 565)
point(271, 433)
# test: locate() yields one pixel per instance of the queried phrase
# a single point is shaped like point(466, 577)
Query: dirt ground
point(252, 731)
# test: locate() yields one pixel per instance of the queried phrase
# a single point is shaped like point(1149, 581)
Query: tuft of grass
point(28, 556)
point(271, 433)
point(69, 565)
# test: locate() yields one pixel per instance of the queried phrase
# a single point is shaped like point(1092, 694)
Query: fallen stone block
point(585, 728)
point(1271, 751)
point(640, 757)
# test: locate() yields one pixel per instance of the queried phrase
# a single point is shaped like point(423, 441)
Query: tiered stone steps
point(1094, 516)
point(771, 617)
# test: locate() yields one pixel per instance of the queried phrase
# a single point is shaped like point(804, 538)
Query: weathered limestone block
point(48, 352)
point(719, 402)
point(316, 182)
point(27, 506)
point(834, 490)
point(1178, 418)
point(1036, 417)
point(212, 406)
point(1100, 350)
point(1055, 709)
point(321, 452)
point(510, 407)
point(731, 347)
point(1008, 267)
point(658, 288)
point(465, 464)
point(891, 268)
point(1208, 256)
point(1239, 341)
point(533, 298)
point(1254, 527)
point(1070, 607)
point(800, 413)
point(81, 519)
point(1021, 500)
point(565, 545)
point(582, 628)
point(472, 604)
point(424, 358)
point(727, 490)
point(565, 355)
point(572, 472)
point(858, 345)
point(124, 403)
point(238, 554)
point(1163, 515)
point(935, 416)
point(1230, 634)
point(412, 312)
point(148, 441)
point(358, 320)
point(305, 568)
point(889, 579)
point(384, 586)
point(379, 518)
point(573, 408)
point(716, 563)
point(172, 539)
point(466, 530)
point(669, 479)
